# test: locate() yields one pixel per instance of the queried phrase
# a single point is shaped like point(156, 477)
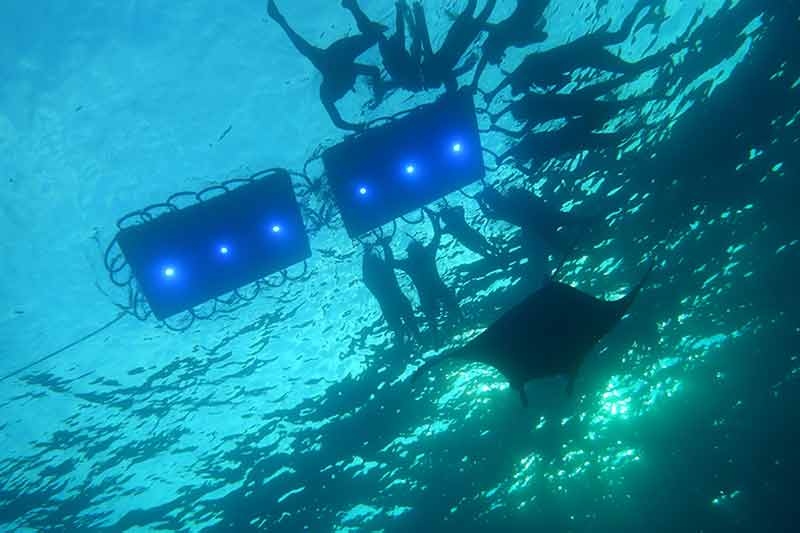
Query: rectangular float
point(388, 171)
point(186, 257)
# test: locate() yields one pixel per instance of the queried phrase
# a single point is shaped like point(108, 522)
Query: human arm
point(437, 229)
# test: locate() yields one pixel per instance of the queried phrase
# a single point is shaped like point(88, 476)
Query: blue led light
point(169, 272)
point(410, 168)
point(362, 191)
point(224, 250)
point(276, 228)
point(457, 147)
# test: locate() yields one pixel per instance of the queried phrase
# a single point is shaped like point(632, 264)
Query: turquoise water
point(295, 412)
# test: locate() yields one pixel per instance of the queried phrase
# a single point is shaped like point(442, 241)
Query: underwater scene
point(399, 265)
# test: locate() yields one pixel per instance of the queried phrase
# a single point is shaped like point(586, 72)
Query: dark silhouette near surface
point(404, 67)
point(536, 108)
point(337, 64)
point(456, 225)
point(542, 225)
point(552, 67)
point(577, 135)
point(721, 35)
point(439, 68)
point(380, 279)
point(420, 265)
point(522, 28)
point(550, 333)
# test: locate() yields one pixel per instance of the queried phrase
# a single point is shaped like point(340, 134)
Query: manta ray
point(549, 333)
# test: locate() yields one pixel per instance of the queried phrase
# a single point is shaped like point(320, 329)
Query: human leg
point(329, 101)
point(312, 53)
point(345, 51)
point(365, 25)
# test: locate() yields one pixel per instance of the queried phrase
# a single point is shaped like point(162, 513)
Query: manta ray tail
point(629, 298)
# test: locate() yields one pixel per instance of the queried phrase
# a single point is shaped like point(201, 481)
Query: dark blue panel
point(192, 255)
point(385, 172)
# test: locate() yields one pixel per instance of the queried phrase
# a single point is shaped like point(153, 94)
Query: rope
point(88, 336)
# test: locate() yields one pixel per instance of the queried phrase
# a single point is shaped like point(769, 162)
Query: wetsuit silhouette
point(420, 265)
point(456, 225)
point(404, 67)
point(543, 225)
point(336, 63)
point(552, 67)
point(576, 136)
point(381, 281)
point(440, 68)
point(536, 108)
point(522, 28)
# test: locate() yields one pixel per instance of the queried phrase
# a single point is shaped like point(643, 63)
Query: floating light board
point(388, 171)
point(186, 257)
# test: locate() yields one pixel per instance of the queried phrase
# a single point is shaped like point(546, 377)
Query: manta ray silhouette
point(549, 333)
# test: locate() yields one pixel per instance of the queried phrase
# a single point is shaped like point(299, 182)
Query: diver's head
point(519, 108)
point(452, 214)
point(490, 196)
point(414, 249)
point(494, 50)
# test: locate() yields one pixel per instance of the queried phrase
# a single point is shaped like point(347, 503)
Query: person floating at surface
point(456, 225)
point(337, 64)
point(440, 68)
point(582, 104)
point(420, 265)
point(536, 108)
point(522, 28)
point(404, 67)
point(380, 279)
point(543, 225)
point(576, 136)
point(552, 67)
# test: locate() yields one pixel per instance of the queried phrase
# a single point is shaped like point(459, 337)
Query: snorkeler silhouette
point(336, 63)
point(404, 67)
point(440, 68)
point(536, 108)
point(552, 67)
point(543, 225)
point(380, 279)
point(576, 136)
point(522, 28)
point(456, 225)
point(420, 265)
